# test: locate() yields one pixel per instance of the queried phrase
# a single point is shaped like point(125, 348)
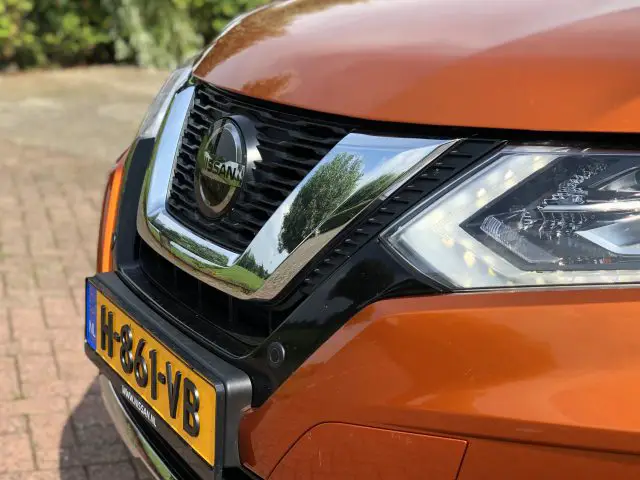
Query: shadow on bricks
point(90, 446)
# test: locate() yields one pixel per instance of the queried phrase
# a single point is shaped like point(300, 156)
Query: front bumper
point(538, 375)
point(539, 384)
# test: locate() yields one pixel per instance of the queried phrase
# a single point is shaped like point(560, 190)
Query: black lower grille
point(290, 146)
point(247, 322)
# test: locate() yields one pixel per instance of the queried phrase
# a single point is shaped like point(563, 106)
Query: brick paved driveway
point(59, 134)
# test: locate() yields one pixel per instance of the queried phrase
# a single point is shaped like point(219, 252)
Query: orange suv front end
point(369, 238)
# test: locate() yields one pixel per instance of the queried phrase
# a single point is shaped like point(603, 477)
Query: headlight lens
point(155, 115)
point(531, 216)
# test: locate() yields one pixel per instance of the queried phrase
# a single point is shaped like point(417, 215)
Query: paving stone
point(12, 425)
point(58, 457)
point(26, 322)
point(74, 368)
point(37, 369)
point(16, 454)
point(65, 474)
point(121, 471)
point(5, 331)
point(25, 346)
point(50, 431)
point(90, 412)
point(50, 198)
point(33, 405)
point(9, 386)
point(59, 308)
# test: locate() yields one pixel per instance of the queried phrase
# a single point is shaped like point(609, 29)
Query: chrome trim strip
point(132, 437)
point(355, 173)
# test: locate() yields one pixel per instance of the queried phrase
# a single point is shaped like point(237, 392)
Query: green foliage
point(241, 277)
point(35, 32)
point(327, 189)
point(151, 32)
point(359, 200)
point(159, 33)
point(248, 261)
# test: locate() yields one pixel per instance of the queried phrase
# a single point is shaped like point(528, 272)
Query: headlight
point(531, 216)
point(155, 115)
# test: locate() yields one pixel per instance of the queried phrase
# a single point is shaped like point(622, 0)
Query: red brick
point(75, 455)
point(121, 471)
point(37, 369)
point(60, 457)
point(102, 452)
point(33, 405)
point(21, 279)
point(65, 474)
point(74, 366)
point(97, 435)
point(12, 425)
point(90, 411)
point(67, 339)
point(21, 298)
point(27, 322)
point(49, 431)
point(16, 454)
point(59, 308)
point(5, 331)
point(25, 346)
point(9, 387)
point(59, 388)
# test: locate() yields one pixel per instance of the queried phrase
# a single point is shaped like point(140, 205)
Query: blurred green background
point(149, 33)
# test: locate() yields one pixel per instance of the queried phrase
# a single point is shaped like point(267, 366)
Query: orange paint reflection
point(530, 64)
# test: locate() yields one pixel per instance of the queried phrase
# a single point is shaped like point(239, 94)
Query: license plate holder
point(201, 367)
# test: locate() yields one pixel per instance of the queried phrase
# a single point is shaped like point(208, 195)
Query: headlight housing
point(157, 110)
point(531, 215)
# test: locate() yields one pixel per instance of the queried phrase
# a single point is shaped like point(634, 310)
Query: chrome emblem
point(220, 168)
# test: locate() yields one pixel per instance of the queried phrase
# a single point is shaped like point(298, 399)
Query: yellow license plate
point(179, 395)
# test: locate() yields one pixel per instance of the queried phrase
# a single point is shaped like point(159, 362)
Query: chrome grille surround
point(386, 163)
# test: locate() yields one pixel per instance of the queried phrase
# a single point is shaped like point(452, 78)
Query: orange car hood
point(562, 65)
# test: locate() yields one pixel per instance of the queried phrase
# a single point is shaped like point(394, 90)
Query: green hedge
point(158, 33)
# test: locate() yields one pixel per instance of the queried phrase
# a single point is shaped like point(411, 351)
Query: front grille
point(290, 146)
point(212, 311)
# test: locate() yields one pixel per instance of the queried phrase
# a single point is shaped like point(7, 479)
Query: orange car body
point(567, 65)
point(516, 383)
point(519, 385)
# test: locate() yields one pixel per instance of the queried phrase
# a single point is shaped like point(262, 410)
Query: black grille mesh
point(290, 146)
point(209, 309)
